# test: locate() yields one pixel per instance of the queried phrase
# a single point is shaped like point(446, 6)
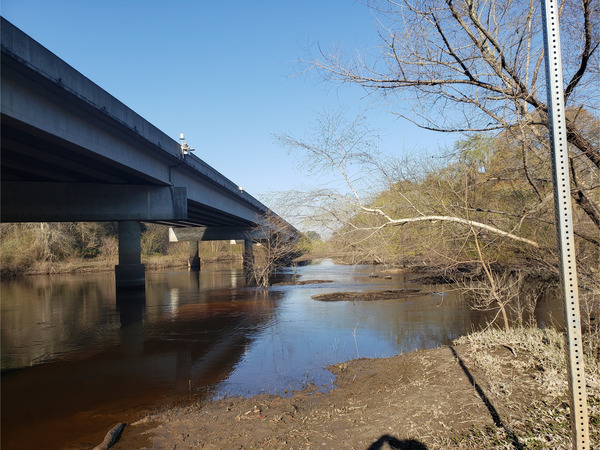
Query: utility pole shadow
point(486, 401)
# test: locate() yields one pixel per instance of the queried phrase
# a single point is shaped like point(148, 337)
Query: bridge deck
point(61, 130)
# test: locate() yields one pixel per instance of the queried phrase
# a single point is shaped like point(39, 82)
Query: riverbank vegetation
point(74, 247)
point(483, 210)
point(276, 246)
point(474, 213)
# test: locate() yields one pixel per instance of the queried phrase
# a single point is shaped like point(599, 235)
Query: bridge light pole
point(185, 149)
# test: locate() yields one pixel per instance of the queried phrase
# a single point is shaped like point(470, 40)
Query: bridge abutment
point(130, 273)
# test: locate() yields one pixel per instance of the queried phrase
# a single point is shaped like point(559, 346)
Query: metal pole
point(564, 224)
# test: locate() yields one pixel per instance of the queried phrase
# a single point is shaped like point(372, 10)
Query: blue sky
point(222, 72)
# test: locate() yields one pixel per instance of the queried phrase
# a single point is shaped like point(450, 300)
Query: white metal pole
point(564, 224)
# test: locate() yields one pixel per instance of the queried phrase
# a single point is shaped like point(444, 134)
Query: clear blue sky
point(219, 71)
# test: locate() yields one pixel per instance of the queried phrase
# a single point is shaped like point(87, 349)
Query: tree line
point(53, 247)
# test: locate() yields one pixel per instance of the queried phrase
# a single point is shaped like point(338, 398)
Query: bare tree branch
point(469, 66)
point(469, 223)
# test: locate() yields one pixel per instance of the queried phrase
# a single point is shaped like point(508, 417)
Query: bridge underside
point(71, 152)
point(47, 179)
point(62, 182)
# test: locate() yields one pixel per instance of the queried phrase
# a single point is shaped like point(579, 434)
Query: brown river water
point(77, 358)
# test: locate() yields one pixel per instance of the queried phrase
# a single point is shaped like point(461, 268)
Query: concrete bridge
point(71, 152)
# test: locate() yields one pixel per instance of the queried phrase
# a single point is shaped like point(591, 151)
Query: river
point(77, 358)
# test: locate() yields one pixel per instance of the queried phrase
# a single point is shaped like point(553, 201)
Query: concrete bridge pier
point(194, 259)
point(248, 259)
point(130, 273)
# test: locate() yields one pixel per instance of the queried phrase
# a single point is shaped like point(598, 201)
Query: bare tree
point(347, 148)
point(276, 246)
point(499, 291)
point(476, 66)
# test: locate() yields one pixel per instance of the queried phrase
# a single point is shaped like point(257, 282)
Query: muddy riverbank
point(449, 397)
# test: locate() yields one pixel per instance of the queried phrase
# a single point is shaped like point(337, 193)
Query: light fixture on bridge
point(185, 149)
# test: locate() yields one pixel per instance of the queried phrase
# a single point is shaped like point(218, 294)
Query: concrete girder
point(50, 106)
point(87, 202)
point(213, 234)
point(72, 152)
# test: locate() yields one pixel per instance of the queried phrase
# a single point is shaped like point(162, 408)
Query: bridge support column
point(194, 259)
point(130, 273)
point(248, 259)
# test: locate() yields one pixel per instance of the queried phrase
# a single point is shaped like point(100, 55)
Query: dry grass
point(538, 358)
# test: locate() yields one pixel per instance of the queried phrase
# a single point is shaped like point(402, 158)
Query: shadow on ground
point(486, 401)
point(394, 443)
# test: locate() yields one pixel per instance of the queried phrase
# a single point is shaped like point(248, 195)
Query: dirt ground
point(422, 400)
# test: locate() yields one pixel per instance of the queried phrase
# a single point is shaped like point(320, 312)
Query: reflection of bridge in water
point(71, 152)
point(187, 331)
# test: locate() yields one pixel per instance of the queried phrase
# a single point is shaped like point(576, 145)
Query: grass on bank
point(535, 359)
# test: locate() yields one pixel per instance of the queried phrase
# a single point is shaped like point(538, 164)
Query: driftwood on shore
point(111, 437)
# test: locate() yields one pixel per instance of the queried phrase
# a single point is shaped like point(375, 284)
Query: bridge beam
point(89, 202)
point(213, 234)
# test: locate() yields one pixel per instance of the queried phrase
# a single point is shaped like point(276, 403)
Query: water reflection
point(86, 357)
point(77, 358)
point(45, 318)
